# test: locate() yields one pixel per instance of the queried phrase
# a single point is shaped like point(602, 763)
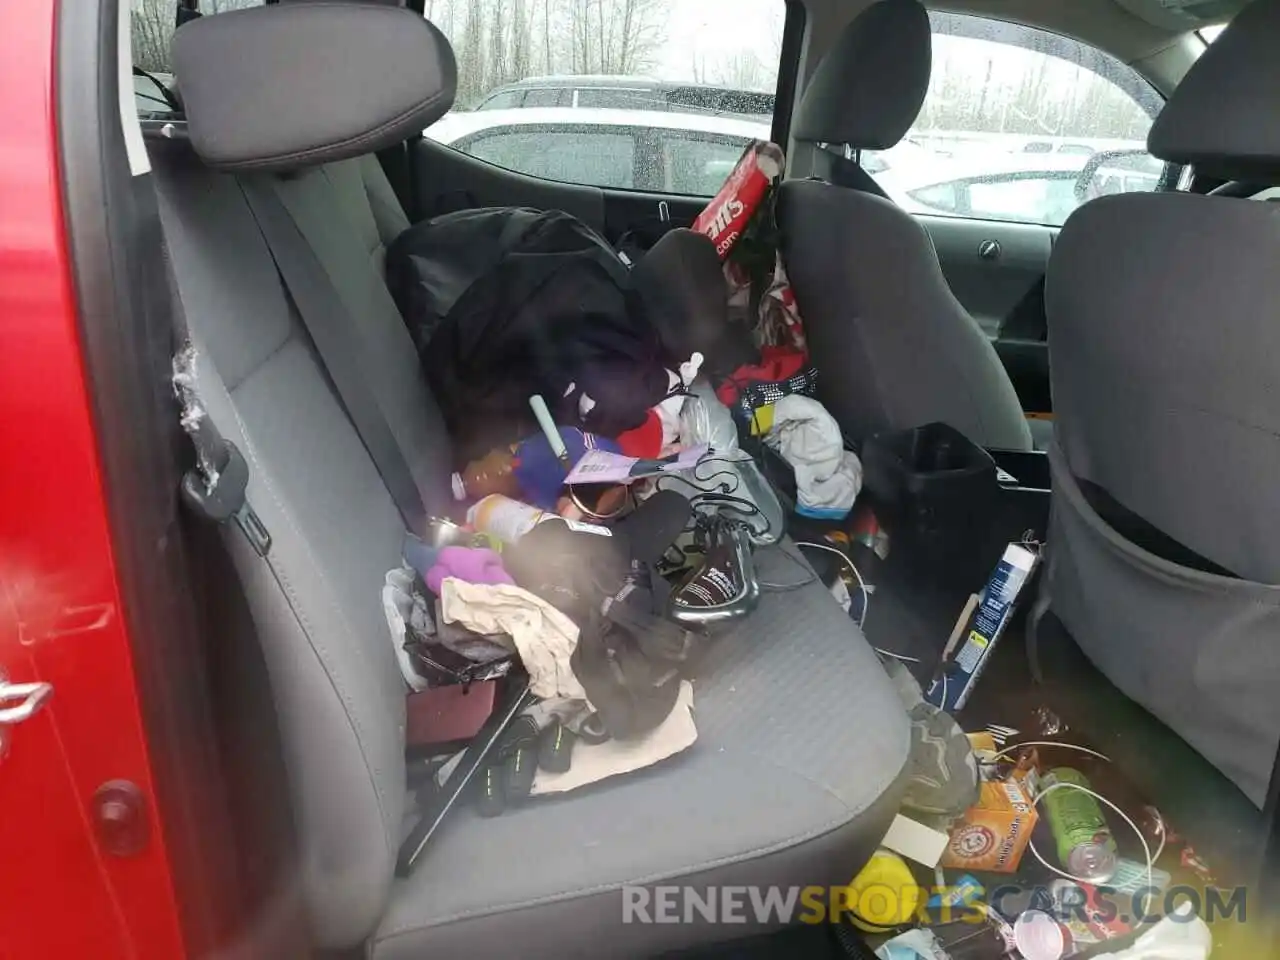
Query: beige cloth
point(543, 636)
point(592, 763)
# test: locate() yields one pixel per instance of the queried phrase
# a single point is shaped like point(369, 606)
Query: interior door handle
point(22, 701)
point(989, 250)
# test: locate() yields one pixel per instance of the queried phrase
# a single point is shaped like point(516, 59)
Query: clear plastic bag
point(704, 419)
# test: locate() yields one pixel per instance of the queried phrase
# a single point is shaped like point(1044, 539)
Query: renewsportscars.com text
point(785, 905)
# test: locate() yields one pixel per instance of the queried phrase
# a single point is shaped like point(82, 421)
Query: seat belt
point(331, 328)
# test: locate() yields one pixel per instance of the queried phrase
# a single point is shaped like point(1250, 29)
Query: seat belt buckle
point(224, 498)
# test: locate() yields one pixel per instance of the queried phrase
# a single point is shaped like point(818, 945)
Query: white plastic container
point(505, 518)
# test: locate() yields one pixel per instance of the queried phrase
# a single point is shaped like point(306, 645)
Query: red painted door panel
point(60, 617)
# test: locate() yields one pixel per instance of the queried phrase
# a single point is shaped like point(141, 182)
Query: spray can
point(492, 473)
point(505, 518)
point(1086, 847)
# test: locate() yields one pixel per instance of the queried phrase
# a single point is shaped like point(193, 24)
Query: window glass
point(940, 197)
point(698, 166)
point(152, 23)
point(503, 101)
point(1024, 199)
point(546, 97)
point(615, 99)
point(1016, 115)
point(713, 62)
point(604, 159)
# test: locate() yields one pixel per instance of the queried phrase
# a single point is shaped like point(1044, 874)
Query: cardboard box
point(994, 832)
point(984, 747)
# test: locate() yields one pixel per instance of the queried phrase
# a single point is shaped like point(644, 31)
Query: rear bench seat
point(798, 769)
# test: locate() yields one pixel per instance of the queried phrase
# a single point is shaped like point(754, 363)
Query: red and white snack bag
point(726, 216)
point(779, 316)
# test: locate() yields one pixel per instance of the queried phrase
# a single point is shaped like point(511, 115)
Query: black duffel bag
point(508, 302)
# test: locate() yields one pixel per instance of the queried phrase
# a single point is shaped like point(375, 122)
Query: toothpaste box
point(957, 677)
point(994, 832)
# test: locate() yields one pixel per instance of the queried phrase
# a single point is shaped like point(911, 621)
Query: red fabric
point(776, 363)
point(645, 441)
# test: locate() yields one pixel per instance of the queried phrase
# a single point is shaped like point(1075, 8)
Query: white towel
point(543, 636)
point(593, 763)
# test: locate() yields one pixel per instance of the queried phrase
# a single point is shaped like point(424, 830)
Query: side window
point(698, 165)
point(506, 100)
point(610, 98)
point(152, 24)
point(547, 97)
point(605, 159)
point(628, 65)
point(1022, 199)
point(941, 198)
point(1020, 124)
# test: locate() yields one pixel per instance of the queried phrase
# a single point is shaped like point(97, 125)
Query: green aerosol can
point(1086, 848)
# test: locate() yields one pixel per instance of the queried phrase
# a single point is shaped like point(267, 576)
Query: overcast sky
point(718, 30)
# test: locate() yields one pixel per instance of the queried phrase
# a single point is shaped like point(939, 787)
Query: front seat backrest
point(296, 93)
point(1165, 334)
point(894, 347)
point(867, 90)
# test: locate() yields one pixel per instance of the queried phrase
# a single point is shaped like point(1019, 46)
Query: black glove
point(509, 777)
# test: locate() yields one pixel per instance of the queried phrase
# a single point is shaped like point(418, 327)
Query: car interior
point(283, 181)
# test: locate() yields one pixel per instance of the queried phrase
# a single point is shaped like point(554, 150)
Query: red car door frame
point(63, 892)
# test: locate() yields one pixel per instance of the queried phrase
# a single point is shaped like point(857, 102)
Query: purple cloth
point(472, 564)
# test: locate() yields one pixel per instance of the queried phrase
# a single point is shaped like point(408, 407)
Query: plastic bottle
point(492, 473)
point(505, 518)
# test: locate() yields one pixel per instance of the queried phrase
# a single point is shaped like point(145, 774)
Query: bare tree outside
point(521, 38)
point(153, 23)
point(500, 41)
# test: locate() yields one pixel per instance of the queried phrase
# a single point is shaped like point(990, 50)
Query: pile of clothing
point(602, 409)
point(508, 303)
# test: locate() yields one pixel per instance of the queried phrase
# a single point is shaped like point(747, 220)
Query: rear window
point(504, 101)
point(615, 68)
point(604, 158)
point(152, 24)
point(618, 99)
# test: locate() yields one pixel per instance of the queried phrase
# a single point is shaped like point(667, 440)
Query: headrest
point(1223, 118)
point(868, 89)
point(293, 85)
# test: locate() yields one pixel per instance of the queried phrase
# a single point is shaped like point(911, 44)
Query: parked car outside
point(1020, 188)
point(628, 93)
point(681, 153)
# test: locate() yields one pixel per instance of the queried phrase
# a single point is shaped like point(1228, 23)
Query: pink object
point(472, 564)
point(1039, 937)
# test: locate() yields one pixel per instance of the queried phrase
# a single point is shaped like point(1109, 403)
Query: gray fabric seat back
point(894, 347)
point(1165, 541)
point(303, 121)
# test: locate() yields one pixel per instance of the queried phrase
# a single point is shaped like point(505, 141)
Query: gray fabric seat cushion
point(1222, 118)
point(312, 83)
point(894, 347)
point(794, 780)
point(1165, 391)
point(803, 740)
point(868, 89)
point(338, 694)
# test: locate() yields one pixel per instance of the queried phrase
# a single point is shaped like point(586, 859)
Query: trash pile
point(630, 429)
point(1024, 845)
point(617, 423)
